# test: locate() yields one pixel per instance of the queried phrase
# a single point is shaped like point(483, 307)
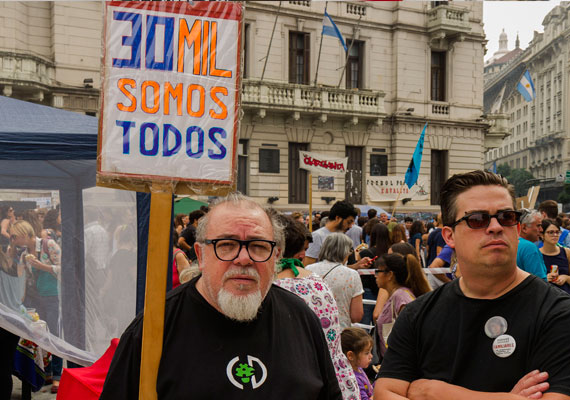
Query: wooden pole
point(310, 202)
point(155, 295)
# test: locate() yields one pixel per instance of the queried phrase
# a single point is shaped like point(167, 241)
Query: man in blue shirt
point(529, 257)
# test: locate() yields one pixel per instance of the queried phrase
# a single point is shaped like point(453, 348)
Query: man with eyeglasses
point(494, 333)
point(529, 258)
point(230, 333)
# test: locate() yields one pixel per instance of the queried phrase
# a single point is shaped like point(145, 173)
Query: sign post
point(169, 124)
point(322, 164)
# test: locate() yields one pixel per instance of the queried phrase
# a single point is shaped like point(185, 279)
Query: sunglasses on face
point(480, 220)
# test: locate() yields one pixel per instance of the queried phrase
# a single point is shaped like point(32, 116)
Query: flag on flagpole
point(526, 87)
point(330, 29)
point(494, 167)
point(414, 168)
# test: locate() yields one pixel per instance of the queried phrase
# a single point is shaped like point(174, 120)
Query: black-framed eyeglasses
point(480, 220)
point(377, 271)
point(259, 250)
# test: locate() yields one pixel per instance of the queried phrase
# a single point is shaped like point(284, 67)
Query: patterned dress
point(319, 298)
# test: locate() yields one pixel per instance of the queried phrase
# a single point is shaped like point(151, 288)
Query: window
point(353, 177)
point(299, 56)
point(246, 50)
point(378, 165)
point(518, 163)
point(297, 176)
point(439, 166)
point(243, 165)
point(438, 75)
point(524, 162)
point(354, 64)
point(269, 161)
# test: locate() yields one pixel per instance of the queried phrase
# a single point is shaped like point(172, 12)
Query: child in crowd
point(357, 346)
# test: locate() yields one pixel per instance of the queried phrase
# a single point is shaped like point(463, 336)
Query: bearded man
point(230, 333)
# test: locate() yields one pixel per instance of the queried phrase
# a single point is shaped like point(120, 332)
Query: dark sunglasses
point(479, 220)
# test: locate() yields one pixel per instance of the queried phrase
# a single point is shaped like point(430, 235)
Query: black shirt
point(282, 354)
point(435, 240)
point(441, 336)
point(189, 235)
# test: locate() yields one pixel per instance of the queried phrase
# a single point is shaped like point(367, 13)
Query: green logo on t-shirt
point(246, 372)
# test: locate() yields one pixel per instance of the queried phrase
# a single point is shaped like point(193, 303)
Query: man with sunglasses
point(230, 333)
point(494, 333)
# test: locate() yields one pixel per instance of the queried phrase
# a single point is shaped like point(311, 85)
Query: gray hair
point(239, 200)
point(335, 248)
point(528, 216)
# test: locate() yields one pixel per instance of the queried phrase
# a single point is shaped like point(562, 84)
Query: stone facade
point(539, 129)
point(50, 53)
point(50, 50)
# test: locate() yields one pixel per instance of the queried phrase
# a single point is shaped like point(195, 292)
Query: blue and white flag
point(414, 168)
point(330, 29)
point(494, 167)
point(526, 87)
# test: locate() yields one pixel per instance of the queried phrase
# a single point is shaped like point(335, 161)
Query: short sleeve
point(400, 360)
point(315, 246)
point(356, 283)
point(549, 354)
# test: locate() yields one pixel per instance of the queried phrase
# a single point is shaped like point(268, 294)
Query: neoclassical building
point(538, 139)
point(407, 63)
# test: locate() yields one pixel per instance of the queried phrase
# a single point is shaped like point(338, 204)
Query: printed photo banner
point(170, 91)
point(386, 188)
point(322, 164)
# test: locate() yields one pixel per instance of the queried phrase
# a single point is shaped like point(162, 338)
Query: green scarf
point(292, 263)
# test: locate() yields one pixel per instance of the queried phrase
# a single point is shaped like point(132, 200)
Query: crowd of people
point(423, 344)
point(469, 305)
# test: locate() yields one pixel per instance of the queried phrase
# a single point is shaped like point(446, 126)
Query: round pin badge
point(504, 346)
point(495, 327)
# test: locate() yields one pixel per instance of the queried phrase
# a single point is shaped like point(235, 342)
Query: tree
point(564, 196)
point(520, 178)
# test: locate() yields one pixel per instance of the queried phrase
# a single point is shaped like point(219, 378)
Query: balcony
point(310, 100)
point(446, 21)
point(498, 130)
point(25, 73)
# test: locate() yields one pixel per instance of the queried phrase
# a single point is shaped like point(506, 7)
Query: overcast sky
point(523, 17)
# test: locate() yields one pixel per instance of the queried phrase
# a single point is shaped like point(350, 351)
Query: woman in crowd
point(32, 217)
point(42, 290)
point(52, 225)
point(180, 222)
point(344, 282)
point(180, 261)
point(416, 232)
point(318, 297)
point(7, 218)
point(402, 277)
point(367, 230)
point(398, 234)
point(555, 257)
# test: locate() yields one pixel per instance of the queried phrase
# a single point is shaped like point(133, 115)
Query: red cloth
point(175, 278)
point(86, 383)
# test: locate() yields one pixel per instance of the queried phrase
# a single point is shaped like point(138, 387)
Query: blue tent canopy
point(45, 148)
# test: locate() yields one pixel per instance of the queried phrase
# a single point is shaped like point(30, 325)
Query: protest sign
point(387, 188)
point(170, 95)
point(322, 164)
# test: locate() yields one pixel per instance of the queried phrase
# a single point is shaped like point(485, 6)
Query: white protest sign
point(170, 92)
point(322, 164)
point(387, 188)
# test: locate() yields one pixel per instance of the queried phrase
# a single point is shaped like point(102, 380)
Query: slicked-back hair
point(237, 199)
point(460, 183)
point(343, 209)
point(335, 248)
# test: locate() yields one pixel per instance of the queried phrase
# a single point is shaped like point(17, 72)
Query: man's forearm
point(431, 389)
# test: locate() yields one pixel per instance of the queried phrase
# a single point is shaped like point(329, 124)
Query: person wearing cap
point(494, 333)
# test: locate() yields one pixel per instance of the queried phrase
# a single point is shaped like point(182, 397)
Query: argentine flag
point(526, 87)
point(330, 29)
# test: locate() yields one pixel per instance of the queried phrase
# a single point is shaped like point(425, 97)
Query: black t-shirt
point(435, 240)
point(189, 235)
point(441, 336)
point(282, 354)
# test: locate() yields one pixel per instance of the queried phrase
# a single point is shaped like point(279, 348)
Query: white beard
point(240, 307)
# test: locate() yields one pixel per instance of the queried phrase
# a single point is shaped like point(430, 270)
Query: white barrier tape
point(363, 326)
point(426, 270)
point(369, 302)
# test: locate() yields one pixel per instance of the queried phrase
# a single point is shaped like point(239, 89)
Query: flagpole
point(270, 41)
point(320, 48)
point(310, 202)
point(348, 53)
